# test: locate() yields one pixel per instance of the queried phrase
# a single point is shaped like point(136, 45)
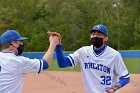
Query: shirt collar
point(100, 51)
point(5, 51)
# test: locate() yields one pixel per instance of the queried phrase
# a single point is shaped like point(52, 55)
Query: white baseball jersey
point(12, 71)
point(99, 71)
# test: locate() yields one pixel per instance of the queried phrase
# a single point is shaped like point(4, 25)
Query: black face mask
point(97, 42)
point(20, 49)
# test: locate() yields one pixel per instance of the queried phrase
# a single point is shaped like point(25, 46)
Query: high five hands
point(55, 34)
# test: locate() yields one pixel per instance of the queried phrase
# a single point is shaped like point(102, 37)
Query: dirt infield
point(67, 82)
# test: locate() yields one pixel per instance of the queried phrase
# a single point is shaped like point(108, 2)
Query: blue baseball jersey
point(99, 71)
point(13, 69)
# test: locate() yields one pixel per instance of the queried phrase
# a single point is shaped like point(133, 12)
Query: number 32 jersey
point(99, 71)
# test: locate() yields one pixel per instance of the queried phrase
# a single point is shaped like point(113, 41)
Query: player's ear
point(13, 43)
point(106, 39)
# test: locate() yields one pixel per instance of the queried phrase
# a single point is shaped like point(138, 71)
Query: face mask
point(20, 49)
point(97, 42)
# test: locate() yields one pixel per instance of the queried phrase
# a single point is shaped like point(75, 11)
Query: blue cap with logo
point(9, 36)
point(100, 28)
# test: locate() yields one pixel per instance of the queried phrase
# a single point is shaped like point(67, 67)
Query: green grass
point(133, 65)
point(54, 67)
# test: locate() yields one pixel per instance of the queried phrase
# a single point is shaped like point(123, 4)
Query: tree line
point(72, 19)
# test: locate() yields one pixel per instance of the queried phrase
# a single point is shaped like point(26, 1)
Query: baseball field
point(66, 80)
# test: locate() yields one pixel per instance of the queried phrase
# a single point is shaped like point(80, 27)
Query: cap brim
point(92, 30)
point(23, 38)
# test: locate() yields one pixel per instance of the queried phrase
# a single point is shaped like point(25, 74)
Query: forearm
point(123, 81)
point(61, 59)
point(49, 54)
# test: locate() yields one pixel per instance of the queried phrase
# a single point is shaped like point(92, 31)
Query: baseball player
point(14, 67)
point(101, 66)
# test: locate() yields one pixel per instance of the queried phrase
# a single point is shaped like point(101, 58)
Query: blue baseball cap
point(9, 36)
point(100, 28)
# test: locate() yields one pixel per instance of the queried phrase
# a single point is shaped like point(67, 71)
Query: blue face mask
point(97, 42)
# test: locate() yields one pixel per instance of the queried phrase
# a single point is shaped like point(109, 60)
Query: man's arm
point(122, 72)
point(61, 59)
point(49, 54)
point(122, 82)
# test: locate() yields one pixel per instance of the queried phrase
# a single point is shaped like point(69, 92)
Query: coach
point(13, 68)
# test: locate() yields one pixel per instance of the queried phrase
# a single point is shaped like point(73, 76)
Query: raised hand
point(55, 34)
point(54, 40)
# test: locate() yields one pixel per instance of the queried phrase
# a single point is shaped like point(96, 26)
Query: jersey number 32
point(106, 80)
